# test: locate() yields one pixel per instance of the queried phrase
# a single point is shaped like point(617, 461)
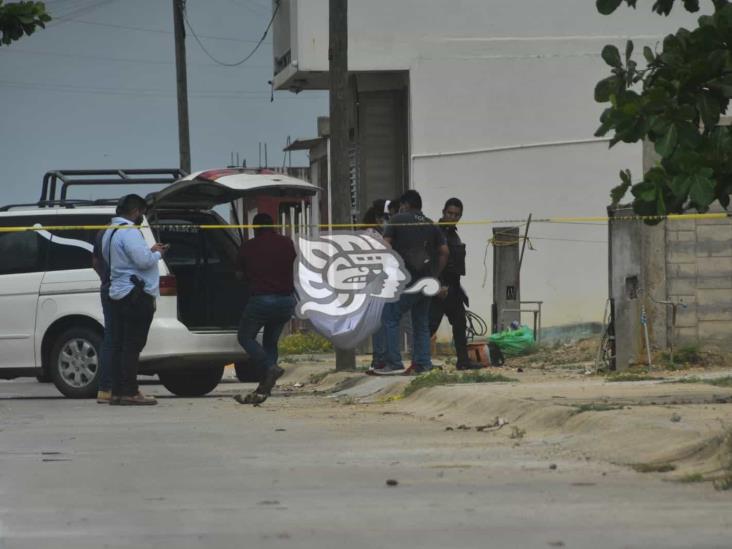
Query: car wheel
point(191, 382)
point(74, 362)
point(246, 372)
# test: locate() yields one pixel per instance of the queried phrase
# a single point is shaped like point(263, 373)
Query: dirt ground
point(651, 423)
point(326, 470)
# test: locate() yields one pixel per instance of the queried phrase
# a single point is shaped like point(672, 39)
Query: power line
point(113, 59)
point(65, 18)
point(157, 31)
point(139, 92)
point(251, 53)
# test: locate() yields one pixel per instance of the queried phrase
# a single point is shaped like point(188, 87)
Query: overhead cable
point(249, 55)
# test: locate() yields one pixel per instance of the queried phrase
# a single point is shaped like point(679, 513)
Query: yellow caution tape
point(330, 226)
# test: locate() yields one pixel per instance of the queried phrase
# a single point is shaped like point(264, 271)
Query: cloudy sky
point(96, 89)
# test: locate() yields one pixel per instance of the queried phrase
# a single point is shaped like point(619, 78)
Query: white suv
point(52, 324)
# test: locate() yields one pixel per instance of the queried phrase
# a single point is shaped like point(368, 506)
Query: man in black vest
point(452, 299)
point(422, 247)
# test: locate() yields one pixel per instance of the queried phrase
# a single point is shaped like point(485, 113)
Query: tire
point(74, 362)
point(191, 382)
point(246, 373)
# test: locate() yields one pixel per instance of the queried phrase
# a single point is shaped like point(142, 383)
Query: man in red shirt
point(266, 263)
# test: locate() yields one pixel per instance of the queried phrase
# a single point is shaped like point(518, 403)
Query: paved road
point(307, 472)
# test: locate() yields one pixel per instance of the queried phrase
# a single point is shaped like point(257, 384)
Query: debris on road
point(495, 426)
point(392, 482)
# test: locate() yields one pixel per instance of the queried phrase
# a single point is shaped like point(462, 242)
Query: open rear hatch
point(204, 260)
point(204, 190)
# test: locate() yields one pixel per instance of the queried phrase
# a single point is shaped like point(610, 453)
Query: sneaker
point(374, 367)
point(469, 365)
point(104, 397)
point(137, 400)
point(252, 398)
point(268, 382)
point(415, 370)
point(389, 370)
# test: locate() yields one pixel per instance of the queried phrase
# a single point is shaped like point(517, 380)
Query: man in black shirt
point(451, 300)
point(422, 246)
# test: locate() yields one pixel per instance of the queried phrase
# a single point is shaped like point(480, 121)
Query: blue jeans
point(270, 312)
point(378, 347)
point(419, 306)
point(105, 353)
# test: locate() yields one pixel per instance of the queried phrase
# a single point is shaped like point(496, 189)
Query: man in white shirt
point(134, 286)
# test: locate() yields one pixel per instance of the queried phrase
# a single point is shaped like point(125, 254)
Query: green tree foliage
point(19, 18)
point(675, 101)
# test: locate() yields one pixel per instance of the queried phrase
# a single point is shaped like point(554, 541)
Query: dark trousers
point(453, 306)
point(271, 312)
point(130, 326)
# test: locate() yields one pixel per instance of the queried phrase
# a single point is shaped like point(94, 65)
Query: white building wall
point(393, 34)
point(464, 105)
point(501, 74)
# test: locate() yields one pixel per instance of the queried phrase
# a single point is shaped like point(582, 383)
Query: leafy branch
point(675, 101)
point(19, 18)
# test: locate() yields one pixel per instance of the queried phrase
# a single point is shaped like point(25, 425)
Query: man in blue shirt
point(135, 280)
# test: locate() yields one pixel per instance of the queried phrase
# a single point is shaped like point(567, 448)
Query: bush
point(303, 343)
point(684, 356)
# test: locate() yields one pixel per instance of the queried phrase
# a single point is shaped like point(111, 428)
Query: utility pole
point(184, 141)
point(340, 105)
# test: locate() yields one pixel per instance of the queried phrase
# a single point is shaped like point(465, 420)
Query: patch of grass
point(692, 379)
point(392, 398)
point(629, 376)
point(596, 407)
point(725, 381)
point(653, 467)
point(720, 381)
point(724, 483)
point(692, 478)
point(303, 343)
point(440, 377)
point(314, 379)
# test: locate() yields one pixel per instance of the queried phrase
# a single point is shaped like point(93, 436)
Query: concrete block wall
point(699, 275)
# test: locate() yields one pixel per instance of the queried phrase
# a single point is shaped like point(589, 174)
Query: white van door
point(21, 271)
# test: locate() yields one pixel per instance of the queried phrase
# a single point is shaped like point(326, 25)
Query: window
point(21, 252)
point(190, 245)
point(72, 249)
point(187, 243)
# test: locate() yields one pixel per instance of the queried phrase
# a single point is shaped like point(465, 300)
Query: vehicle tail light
point(168, 285)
